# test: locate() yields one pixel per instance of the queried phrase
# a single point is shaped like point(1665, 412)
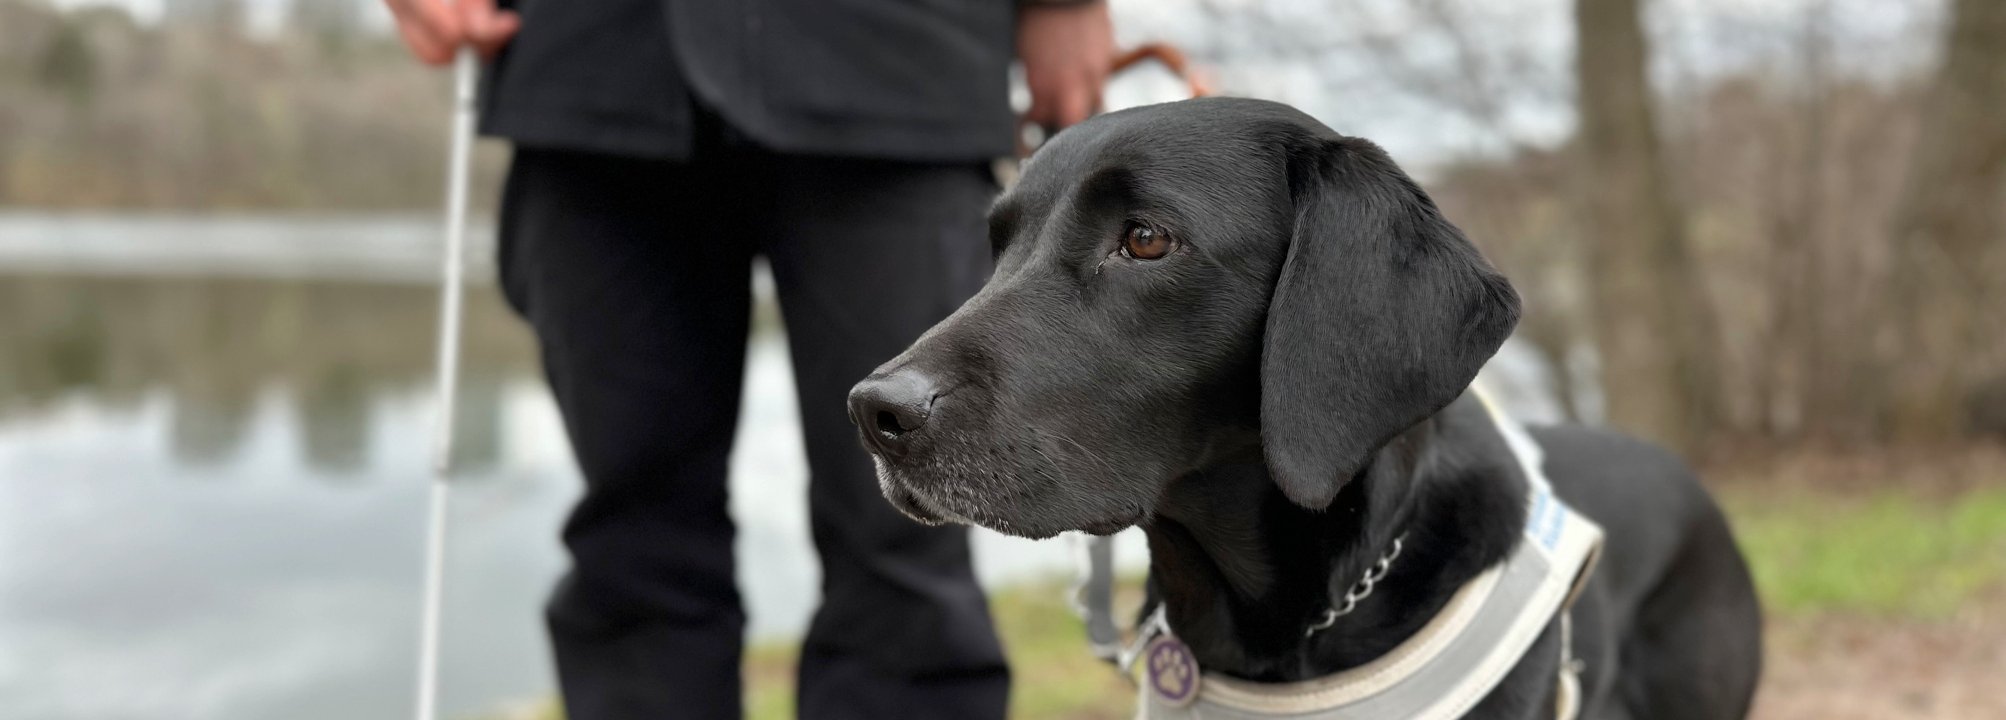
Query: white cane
point(448, 379)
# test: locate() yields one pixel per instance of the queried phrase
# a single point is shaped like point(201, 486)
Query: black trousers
point(635, 276)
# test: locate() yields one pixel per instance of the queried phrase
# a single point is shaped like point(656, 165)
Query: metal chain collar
point(1358, 590)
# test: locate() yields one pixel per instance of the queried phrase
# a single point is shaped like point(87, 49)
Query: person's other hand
point(434, 29)
point(1066, 49)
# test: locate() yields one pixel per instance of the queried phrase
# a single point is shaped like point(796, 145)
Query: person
point(659, 146)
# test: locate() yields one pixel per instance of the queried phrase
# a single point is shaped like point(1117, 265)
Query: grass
point(1890, 553)
point(1053, 675)
point(1895, 555)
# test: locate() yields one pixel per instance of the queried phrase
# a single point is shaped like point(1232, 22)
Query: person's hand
point(1066, 50)
point(435, 29)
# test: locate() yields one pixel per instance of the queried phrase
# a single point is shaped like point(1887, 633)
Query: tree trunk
point(1946, 227)
point(1654, 323)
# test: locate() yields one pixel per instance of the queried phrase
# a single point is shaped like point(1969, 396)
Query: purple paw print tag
point(1173, 673)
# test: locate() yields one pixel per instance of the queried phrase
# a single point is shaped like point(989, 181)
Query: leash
point(1092, 593)
point(1093, 596)
point(1164, 54)
point(451, 282)
point(1170, 58)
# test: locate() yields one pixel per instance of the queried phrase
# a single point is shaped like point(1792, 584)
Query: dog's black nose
point(890, 407)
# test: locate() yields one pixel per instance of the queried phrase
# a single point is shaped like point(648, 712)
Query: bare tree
point(1792, 377)
point(327, 18)
point(1946, 232)
point(221, 15)
point(1653, 321)
point(1474, 61)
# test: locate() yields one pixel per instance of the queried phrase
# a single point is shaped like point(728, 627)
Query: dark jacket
point(919, 80)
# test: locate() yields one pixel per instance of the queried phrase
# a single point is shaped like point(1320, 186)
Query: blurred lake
point(213, 437)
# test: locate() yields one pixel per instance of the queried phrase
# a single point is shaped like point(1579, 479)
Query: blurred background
point(1765, 232)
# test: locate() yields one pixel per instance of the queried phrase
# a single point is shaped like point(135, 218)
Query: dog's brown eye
point(1143, 242)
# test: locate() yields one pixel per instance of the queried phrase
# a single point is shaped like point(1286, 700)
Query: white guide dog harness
point(1453, 662)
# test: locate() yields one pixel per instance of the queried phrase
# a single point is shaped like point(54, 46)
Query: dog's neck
point(1244, 572)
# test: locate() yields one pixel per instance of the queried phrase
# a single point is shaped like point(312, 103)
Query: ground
point(1883, 577)
point(1847, 667)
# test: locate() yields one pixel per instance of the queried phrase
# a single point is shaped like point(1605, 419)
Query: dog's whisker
point(1105, 466)
point(1039, 448)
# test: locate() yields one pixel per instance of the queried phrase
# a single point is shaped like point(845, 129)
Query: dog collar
point(1359, 590)
point(1441, 672)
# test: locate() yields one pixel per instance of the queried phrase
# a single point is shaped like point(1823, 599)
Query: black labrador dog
point(1224, 322)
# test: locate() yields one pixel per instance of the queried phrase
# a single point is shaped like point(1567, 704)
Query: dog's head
point(1175, 283)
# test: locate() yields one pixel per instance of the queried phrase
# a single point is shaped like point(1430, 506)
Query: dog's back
point(1684, 631)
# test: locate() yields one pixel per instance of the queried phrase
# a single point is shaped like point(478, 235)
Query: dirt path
point(1840, 668)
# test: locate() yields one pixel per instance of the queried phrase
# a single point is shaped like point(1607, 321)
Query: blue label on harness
point(1547, 513)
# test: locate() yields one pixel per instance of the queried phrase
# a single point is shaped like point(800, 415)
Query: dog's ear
point(1382, 314)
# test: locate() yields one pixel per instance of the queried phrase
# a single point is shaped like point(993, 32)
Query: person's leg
point(866, 256)
point(640, 308)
